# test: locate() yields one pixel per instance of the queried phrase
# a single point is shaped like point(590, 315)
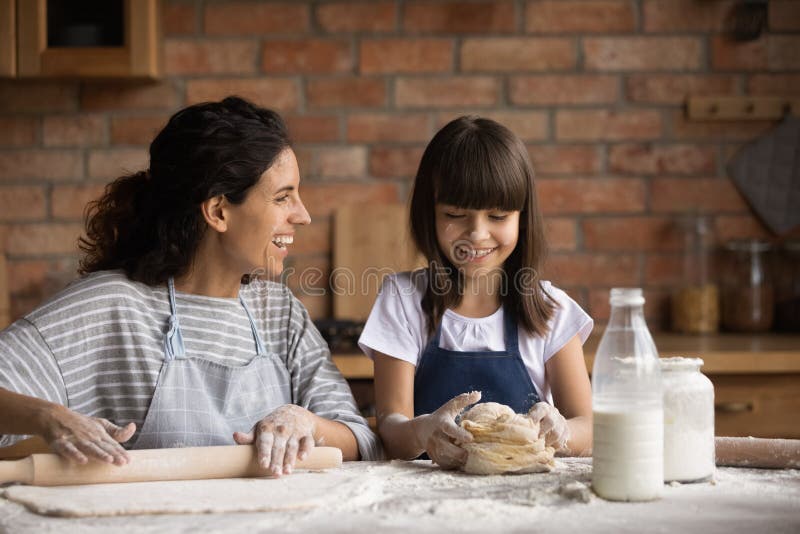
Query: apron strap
point(511, 332)
point(259, 344)
point(173, 341)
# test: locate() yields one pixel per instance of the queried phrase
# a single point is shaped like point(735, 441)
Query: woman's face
point(476, 240)
point(261, 229)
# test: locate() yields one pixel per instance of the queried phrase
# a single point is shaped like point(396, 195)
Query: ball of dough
point(504, 442)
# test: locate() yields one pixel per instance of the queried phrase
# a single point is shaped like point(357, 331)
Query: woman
point(160, 333)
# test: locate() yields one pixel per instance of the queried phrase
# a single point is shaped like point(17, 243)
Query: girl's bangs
point(483, 174)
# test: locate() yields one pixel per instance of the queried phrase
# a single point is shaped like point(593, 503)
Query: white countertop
point(416, 497)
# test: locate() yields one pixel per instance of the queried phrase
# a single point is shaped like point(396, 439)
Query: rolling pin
point(189, 463)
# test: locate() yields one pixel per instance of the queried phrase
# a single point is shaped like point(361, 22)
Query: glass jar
point(628, 448)
point(747, 291)
point(695, 302)
point(688, 420)
point(787, 288)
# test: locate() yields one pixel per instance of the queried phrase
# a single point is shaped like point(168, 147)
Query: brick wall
point(595, 88)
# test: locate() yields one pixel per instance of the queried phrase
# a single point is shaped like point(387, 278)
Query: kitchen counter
point(418, 497)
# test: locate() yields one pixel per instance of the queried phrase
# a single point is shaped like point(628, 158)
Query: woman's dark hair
point(476, 163)
point(149, 224)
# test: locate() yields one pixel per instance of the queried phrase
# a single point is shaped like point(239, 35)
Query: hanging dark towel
point(767, 173)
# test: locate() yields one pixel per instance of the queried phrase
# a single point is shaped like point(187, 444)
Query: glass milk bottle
point(628, 449)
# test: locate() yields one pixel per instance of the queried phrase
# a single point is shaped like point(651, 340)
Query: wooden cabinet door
point(8, 39)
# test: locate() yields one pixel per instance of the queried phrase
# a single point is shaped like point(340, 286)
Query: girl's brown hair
point(476, 163)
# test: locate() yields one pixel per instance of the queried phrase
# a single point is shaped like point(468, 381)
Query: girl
point(479, 317)
point(161, 334)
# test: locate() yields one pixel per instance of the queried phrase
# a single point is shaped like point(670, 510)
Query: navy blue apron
point(500, 376)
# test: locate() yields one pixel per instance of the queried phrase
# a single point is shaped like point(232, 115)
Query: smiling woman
point(159, 343)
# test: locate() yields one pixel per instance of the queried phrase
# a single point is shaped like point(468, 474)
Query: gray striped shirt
point(97, 348)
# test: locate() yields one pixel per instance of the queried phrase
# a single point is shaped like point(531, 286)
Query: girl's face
point(476, 240)
point(262, 228)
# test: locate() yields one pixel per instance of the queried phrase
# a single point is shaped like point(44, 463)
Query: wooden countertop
point(722, 353)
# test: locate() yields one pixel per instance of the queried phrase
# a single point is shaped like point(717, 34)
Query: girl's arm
point(394, 403)
point(572, 395)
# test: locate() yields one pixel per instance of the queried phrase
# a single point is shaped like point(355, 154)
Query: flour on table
point(299, 491)
point(504, 442)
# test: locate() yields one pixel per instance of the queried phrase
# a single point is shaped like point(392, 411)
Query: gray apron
point(200, 403)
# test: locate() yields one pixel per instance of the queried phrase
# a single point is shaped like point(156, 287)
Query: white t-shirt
point(397, 327)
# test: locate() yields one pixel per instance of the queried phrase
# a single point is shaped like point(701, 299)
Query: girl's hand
point(552, 425)
point(79, 437)
point(438, 432)
point(281, 438)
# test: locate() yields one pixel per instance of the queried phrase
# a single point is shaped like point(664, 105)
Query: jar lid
point(748, 245)
point(626, 296)
point(681, 363)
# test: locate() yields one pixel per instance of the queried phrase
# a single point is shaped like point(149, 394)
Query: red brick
point(515, 54)
point(561, 233)
point(784, 15)
point(565, 159)
point(37, 97)
point(17, 131)
point(695, 194)
point(684, 15)
point(631, 233)
point(373, 16)
point(22, 203)
point(179, 19)
point(731, 55)
point(675, 88)
point(307, 56)
point(322, 199)
point(40, 239)
point(395, 162)
point(313, 128)
point(109, 164)
point(374, 127)
point(683, 128)
point(346, 92)
point(256, 18)
point(448, 92)
point(591, 195)
point(782, 52)
point(662, 159)
point(459, 17)
point(774, 84)
point(312, 238)
point(276, 93)
point(119, 95)
point(614, 16)
point(210, 57)
point(389, 56)
point(596, 125)
point(642, 53)
point(592, 269)
point(41, 165)
point(69, 201)
point(566, 89)
point(40, 278)
point(75, 130)
point(342, 162)
point(136, 130)
point(527, 125)
point(729, 227)
point(664, 269)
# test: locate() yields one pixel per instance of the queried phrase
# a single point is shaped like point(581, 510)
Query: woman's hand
point(281, 438)
point(552, 425)
point(79, 437)
point(438, 432)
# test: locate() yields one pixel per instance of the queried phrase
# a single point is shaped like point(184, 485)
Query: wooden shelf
point(722, 354)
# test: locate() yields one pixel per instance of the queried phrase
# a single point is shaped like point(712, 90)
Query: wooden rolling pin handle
point(190, 463)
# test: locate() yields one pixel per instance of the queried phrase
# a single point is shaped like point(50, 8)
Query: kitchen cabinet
point(80, 38)
point(756, 378)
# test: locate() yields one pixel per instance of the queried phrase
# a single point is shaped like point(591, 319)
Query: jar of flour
point(688, 421)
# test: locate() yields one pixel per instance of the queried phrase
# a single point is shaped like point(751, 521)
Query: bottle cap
point(626, 296)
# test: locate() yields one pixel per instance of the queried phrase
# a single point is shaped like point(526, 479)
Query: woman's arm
point(572, 395)
point(68, 433)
